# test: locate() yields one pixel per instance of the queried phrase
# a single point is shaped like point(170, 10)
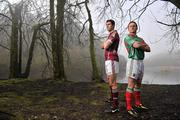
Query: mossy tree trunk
point(13, 68)
point(36, 28)
point(57, 39)
point(95, 71)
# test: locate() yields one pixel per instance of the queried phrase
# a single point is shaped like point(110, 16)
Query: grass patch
point(10, 99)
point(95, 102)
point(48, 99)
point(73, 99)
point(15, 81)
point(103, 86)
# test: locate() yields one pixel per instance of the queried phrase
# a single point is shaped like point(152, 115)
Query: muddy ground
point(55, 100)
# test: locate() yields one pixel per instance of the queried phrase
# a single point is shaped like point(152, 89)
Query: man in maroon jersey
point(110, 47)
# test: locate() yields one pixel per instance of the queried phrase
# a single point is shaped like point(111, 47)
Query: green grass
point(15, 81)
point(42, 98)
point(74, 99)
point(95, 102)
point(103, 86)
point(48, 99)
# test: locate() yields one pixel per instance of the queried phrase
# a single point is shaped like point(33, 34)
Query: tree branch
point(4, 47)
point(1, 14)
point(168, 24)
point(175, 2)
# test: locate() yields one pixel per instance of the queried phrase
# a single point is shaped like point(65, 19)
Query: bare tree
point(17, 38)
point(57, 39)
point(14, 42)
point(90, 34)
point(134, 9)
point(31, 49)
point(95, 73)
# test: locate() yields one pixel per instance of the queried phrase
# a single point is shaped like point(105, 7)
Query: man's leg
point(129, 97)
point(137, 88)
point(111, 71)
point(110, 88)
point(137, 92)
point(114, 93)
point(129, 93)
point(137, 95)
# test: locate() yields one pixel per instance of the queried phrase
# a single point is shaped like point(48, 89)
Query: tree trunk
point(95, 71)
point(16, 38)
point(14, 45)
point(31, 50)
point(59, 38)
point(20, 45)
point(53, 39)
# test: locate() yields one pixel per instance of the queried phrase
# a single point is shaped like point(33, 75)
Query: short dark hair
point(111, 21)
point(133, 22)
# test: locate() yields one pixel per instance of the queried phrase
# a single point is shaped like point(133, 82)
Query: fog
point(160, 66)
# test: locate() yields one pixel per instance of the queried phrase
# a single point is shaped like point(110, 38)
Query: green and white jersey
point(134, 53)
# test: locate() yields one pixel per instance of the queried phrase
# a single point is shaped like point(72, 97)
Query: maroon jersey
point(111, 52)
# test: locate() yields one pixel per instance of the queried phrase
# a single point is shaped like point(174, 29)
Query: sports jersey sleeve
point(143, 42)
point(113, 37)
point(128, 41)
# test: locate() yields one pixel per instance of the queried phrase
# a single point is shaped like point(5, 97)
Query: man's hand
point(106, 44)
point(102, 45)
point(137, 44)
point(143, 46)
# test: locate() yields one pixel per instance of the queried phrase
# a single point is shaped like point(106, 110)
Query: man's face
point(109, 26)
point(132, 28)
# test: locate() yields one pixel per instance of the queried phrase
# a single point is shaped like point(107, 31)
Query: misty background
point(162, 64)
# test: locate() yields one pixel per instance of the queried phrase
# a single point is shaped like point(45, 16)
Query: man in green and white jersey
point(136, 47)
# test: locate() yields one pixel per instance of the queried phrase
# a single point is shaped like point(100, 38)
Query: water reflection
point(163, 75)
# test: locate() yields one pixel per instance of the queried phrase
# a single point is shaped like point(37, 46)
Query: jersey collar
point(132, 35)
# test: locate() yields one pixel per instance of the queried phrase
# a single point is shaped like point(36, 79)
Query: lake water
point(163, 75)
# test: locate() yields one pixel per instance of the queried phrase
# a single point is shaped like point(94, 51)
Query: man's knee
point(131, 82)
point(138, 84)
point(112, 81)
point(114, 85)
point(112, 77)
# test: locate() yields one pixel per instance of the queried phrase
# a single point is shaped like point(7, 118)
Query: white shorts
point(112, 67)
point(135, 69)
